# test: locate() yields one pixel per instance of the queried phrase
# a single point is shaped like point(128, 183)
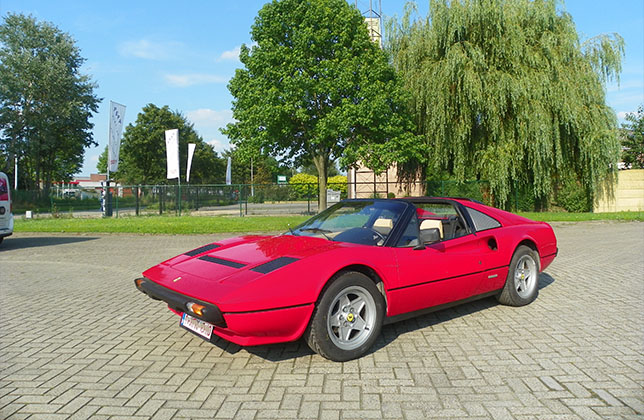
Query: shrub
point(338, 183)
point(304, 185)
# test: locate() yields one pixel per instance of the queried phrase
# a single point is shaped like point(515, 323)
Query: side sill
point(401, 317)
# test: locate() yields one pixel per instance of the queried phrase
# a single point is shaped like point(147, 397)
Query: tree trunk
point(322, 165)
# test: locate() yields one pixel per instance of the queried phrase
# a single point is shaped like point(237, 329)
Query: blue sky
point(183, 54)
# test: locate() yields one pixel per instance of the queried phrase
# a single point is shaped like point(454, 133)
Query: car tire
point(521, 285)
point(347, 318)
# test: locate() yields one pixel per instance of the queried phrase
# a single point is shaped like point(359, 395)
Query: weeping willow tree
point(506, 91)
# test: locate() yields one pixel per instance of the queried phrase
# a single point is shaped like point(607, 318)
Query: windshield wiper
point(318, 230)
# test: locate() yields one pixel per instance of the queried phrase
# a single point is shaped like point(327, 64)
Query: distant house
point(364, 183)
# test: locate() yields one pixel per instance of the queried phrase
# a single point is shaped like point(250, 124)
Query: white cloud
point(94, 158)
point(207, 122)
point(219, 145)
point(210, 117)
point(185, 80)
point(230, 55)
point(150, 50)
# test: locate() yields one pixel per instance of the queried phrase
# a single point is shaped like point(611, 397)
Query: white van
point(6, 215)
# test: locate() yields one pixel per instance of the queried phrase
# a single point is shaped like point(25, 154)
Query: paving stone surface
point(77, 341)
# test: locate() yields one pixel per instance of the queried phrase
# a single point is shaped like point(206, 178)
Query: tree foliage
point(314, 87)
point(504, 90)
point(45, 102)
point(143, 151)
point(265, 168)
point(633, 139)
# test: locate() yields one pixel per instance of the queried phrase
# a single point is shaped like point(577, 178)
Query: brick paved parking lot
point(78, 341)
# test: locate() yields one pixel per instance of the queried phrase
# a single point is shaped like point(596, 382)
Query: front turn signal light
point(195, 308)
point(138, 282)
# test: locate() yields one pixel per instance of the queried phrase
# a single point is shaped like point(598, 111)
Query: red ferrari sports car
point(338, 277)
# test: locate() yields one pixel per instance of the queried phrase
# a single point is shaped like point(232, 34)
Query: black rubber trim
point(220, 261)
point(447, 278)
point(202, 249)
point(177, 301)
point(274, 265)
point(550, 255)
point(424, 311)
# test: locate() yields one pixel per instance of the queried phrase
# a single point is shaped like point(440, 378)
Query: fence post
point(160, 200)
point(241, 211)
point(178, 192)
point(308, 201)
point(138, 204)
point(117, 204)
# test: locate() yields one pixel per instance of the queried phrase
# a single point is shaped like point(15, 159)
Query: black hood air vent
point(273, 265)
point(220, 261)
point(202, 249)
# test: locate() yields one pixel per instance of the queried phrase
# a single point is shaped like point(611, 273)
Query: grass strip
point(161, 224)
point(226, 224)
point(583, 217)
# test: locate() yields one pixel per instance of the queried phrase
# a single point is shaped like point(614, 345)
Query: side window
point(439, 222)
point(482, 221)
point(410, 235)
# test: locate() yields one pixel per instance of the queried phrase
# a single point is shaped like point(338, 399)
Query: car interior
point(434, 222)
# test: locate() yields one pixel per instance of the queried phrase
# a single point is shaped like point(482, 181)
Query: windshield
point(362, 222)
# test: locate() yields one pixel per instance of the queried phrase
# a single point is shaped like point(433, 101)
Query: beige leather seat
point(383, 226)
point(432, 224)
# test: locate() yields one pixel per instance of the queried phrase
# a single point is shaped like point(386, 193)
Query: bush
point(338, 183)
point(304, 185)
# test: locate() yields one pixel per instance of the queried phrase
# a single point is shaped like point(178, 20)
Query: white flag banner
point(229, 172)
point(191, 152)
point(117, 114)
point(172, 152)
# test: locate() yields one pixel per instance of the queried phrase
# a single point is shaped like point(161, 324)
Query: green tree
point(633, 139)
point(45, 102)
point(314, 87)
point(505, 90)
point(101, 165)
point(143, 152)
point(265, 168)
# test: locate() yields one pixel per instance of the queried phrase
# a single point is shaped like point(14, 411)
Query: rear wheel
point(347, 319)
point(523, 277)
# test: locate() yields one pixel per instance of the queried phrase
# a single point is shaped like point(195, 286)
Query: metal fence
point(234, 200)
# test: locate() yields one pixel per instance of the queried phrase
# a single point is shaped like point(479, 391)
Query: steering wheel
point(361, 235)
point(378, 234)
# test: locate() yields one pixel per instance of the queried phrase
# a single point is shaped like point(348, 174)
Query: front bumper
point(177, 301)
point(254, 328)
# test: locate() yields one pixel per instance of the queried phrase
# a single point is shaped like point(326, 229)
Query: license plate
point(197, 326)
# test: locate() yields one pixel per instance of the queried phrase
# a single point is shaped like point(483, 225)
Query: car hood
point(220, 269)
point(249, 252)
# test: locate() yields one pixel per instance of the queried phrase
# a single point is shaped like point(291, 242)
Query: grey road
point(77, 341)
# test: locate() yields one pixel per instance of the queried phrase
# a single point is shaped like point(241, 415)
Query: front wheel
point(347, 319)
point(523, 277)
